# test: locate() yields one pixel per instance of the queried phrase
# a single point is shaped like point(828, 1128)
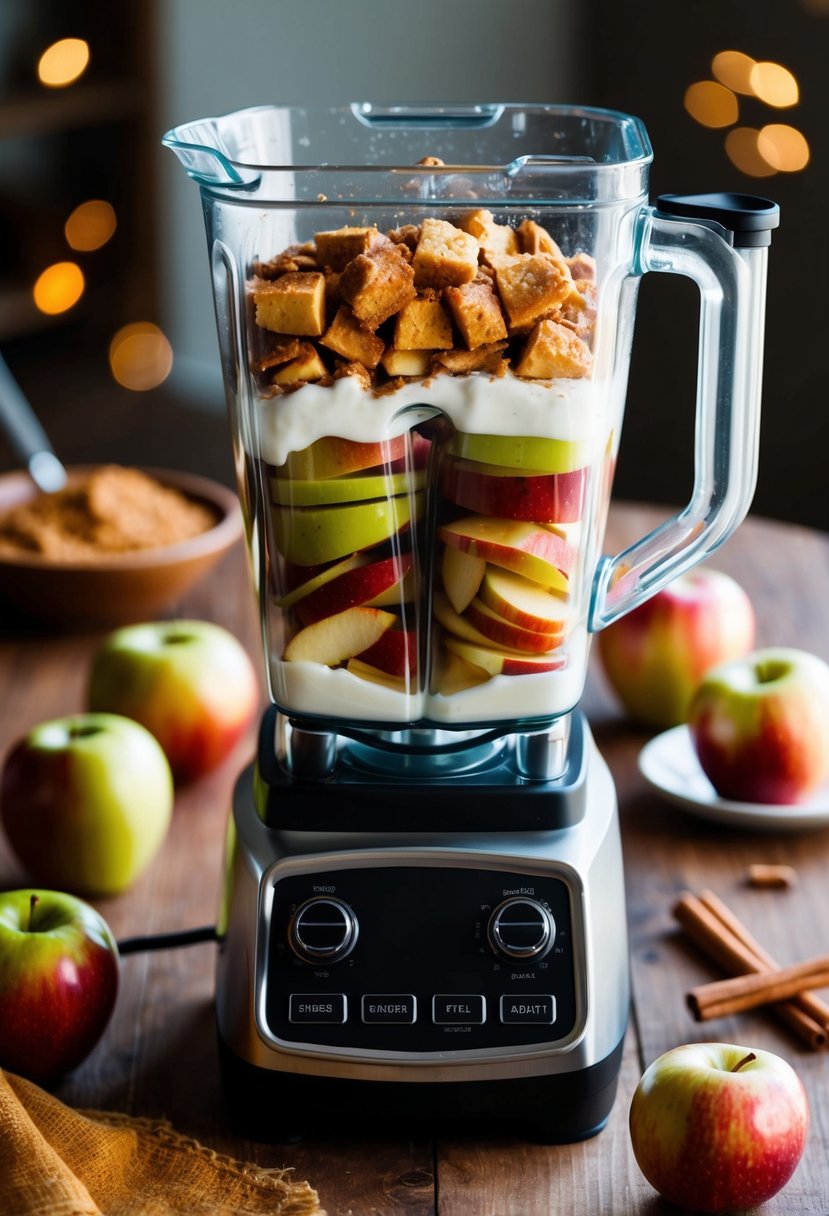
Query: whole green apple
point(58, 982)
point(717, 1128)
point(190, 683)
point(86, 802)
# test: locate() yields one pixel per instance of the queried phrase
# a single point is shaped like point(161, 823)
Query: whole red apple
point(86, 802)
point(191, 683)
point(718, 1128)
point(760, 726)
point(58, 982)
point(655, 657)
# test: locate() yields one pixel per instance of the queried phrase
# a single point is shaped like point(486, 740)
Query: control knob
point(521, 928)
point(323, 930)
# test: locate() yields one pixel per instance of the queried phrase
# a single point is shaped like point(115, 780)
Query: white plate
point(669, 764)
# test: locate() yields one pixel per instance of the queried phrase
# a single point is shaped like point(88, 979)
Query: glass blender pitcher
point(425, 318)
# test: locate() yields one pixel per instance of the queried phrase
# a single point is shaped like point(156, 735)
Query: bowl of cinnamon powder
point(115, 545)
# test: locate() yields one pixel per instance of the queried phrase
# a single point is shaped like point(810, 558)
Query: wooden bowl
point(117, 588)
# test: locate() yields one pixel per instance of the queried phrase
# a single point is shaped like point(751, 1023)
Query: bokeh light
point(783, 147)
point(733, 69)
point(140, 356)
point(711, 104)
point(58, 288)
point(741, 147)
point(775, 85)
point(63, 62)
point(90, 225)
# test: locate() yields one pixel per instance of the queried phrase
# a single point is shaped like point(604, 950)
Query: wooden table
point(158, 1056)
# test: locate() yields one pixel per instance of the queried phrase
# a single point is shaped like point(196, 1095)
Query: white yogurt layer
point(476, 404)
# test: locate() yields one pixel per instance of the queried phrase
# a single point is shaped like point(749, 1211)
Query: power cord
point(168, 941)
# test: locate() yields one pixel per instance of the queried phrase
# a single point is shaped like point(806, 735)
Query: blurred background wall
point(103, 312)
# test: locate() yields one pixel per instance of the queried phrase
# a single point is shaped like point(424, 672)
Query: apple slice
point(501, 663)
point(309, 536)
point(460, 626)
point(332, 456)
point(523, 453)
point(495, 490)
point(506, 633)
point(337, 638)
point(527, 548)
point(394, 652)
point(375, 676)
point(462, 575)
point(454, 674)
point(353, 587)
point(399, 593)
point(320, 579)
point(523, 602)
point(286, 491)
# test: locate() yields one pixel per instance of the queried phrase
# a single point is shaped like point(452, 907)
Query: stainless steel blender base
point(474, 973)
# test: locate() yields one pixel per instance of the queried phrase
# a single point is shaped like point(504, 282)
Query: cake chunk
point(554, 350)
point(377, 284)
point(535, 239)
point(338, 247)
point(347, 337)
point(530, 285)
point(423, 324)
point(476, 312)
point(495, 240)
point(406, 362)
point(291, 304)
point(445, 255)
point(307, 366)
point(462, 362)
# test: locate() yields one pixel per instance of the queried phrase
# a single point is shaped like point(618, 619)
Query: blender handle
point(732, 284)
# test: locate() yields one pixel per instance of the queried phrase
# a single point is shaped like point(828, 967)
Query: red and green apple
point(499, 491)
point(191, 683)
point(308, 536)
point(527, 548)
point(58, 982)
point(718, 1128)
point(655, 657)
point(760, 726)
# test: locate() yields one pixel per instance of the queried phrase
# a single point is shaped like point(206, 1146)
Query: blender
point(425, 317)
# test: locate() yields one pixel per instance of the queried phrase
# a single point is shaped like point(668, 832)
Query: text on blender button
point(389, 1007)
point(528, 1007)
point(450, 1008)
point(317, 1007)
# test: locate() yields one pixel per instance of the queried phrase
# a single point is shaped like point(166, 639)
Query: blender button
point(317, 1007)
point(389, 1007)
point(458, 1009)
point(528, 1007)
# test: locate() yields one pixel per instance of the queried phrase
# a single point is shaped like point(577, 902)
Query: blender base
point(282, 1108)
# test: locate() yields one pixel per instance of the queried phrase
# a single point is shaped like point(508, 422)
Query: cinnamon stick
point(809, 1002)
point(723, 997)
point(713, 927)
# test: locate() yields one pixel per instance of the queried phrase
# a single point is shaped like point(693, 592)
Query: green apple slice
point(287, 492)
point(309, 536)
point(527, 453)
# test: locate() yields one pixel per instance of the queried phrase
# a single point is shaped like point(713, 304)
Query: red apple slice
point(498, 491)
point(337, 638)
point(506, 633)
point(458, 625)
point(332, 457)
point(528, 549)
point(501, 663)
point(319, 579)
point(359, 585)
point(462, 574)
point(395, 652)
point(523, 602)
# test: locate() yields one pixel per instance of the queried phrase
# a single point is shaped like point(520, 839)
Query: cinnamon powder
point(108, 511)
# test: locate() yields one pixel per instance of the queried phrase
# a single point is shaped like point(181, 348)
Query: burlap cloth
point(55, 1161)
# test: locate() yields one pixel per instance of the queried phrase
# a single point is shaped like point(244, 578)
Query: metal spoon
point(28, 440)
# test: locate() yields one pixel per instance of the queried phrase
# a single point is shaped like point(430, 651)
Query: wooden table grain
point(158, 1056)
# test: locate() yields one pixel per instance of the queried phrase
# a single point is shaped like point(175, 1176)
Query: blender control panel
point(420, 959)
